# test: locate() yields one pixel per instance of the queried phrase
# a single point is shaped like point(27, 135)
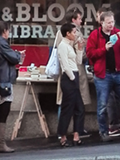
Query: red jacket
point(96, 51)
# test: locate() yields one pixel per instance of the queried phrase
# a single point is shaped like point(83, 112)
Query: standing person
point(8, 59)
point(113, 102)
point(106, 60)
point(72, 104)
point(74, 16)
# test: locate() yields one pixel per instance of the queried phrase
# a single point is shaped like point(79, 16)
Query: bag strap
point(56, 38)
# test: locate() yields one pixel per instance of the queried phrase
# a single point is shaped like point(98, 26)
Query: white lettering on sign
point(62, 12)
point(36, 13)
point(32, 30)
point(15, 31)
point(25, 31)
point(87, 30)
point(23, 12)
point(49, 31)
point(90, 9)
point(6, 16)
point(36, 31)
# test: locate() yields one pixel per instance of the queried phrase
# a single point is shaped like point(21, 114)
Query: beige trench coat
point(59, 92)
point(83, 80)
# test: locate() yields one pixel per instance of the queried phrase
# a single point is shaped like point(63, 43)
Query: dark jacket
point(96, 52)
point(8, 59)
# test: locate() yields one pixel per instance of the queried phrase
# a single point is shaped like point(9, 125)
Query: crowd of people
point(103, 55)
point(73, 88)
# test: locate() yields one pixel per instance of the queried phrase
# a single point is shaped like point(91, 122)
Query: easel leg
point(40, 114)
point(21, 113)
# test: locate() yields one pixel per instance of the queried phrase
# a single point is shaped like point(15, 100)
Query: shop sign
point(23, 16)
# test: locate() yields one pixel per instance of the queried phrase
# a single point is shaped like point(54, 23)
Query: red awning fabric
point(34, 54)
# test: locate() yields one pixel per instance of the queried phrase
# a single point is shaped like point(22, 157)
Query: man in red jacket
point(113, 102)
point(104, 55)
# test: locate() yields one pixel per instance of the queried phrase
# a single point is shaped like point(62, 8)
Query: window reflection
point(42, 22)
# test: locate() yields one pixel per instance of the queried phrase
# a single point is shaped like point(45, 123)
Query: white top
point(67, 58)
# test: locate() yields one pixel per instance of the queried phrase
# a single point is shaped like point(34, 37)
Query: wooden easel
point(41, 116)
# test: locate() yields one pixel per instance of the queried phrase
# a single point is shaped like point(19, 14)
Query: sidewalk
point(53, 143)
point(49, 149)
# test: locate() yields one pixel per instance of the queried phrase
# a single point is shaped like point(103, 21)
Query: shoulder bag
point(5, 89)
point(53, 66)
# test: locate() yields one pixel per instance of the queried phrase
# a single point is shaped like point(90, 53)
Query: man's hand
point(108, 45)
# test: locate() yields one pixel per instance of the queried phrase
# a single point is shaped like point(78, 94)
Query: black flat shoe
point(65, 144)
point(77, 143)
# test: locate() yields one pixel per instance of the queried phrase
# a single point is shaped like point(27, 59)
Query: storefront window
point(35, 22)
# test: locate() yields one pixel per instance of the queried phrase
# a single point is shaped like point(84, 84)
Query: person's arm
point(11, 56)
point(79, 53)
point(63, 57)
point(92, 49)
point(79, 46)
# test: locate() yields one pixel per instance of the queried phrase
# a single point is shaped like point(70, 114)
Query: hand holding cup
point(22, 52)
point(22, 56)
point(81, 44)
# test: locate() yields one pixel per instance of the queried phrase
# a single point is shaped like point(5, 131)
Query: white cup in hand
point(22, 56)
point(22, 52)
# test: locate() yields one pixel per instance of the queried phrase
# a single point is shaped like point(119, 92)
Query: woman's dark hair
point(72, 13)
point(67, 27)
point(3, 26)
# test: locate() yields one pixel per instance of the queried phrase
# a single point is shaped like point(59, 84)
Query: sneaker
point(114, 132)
point(105, 137)
point(85, 134)
point(59, 137)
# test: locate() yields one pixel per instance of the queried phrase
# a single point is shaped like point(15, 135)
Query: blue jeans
point(103, 89)
point(113, 109)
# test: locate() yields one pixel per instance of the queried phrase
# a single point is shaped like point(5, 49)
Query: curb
point(91, 158)
point(107, 158)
